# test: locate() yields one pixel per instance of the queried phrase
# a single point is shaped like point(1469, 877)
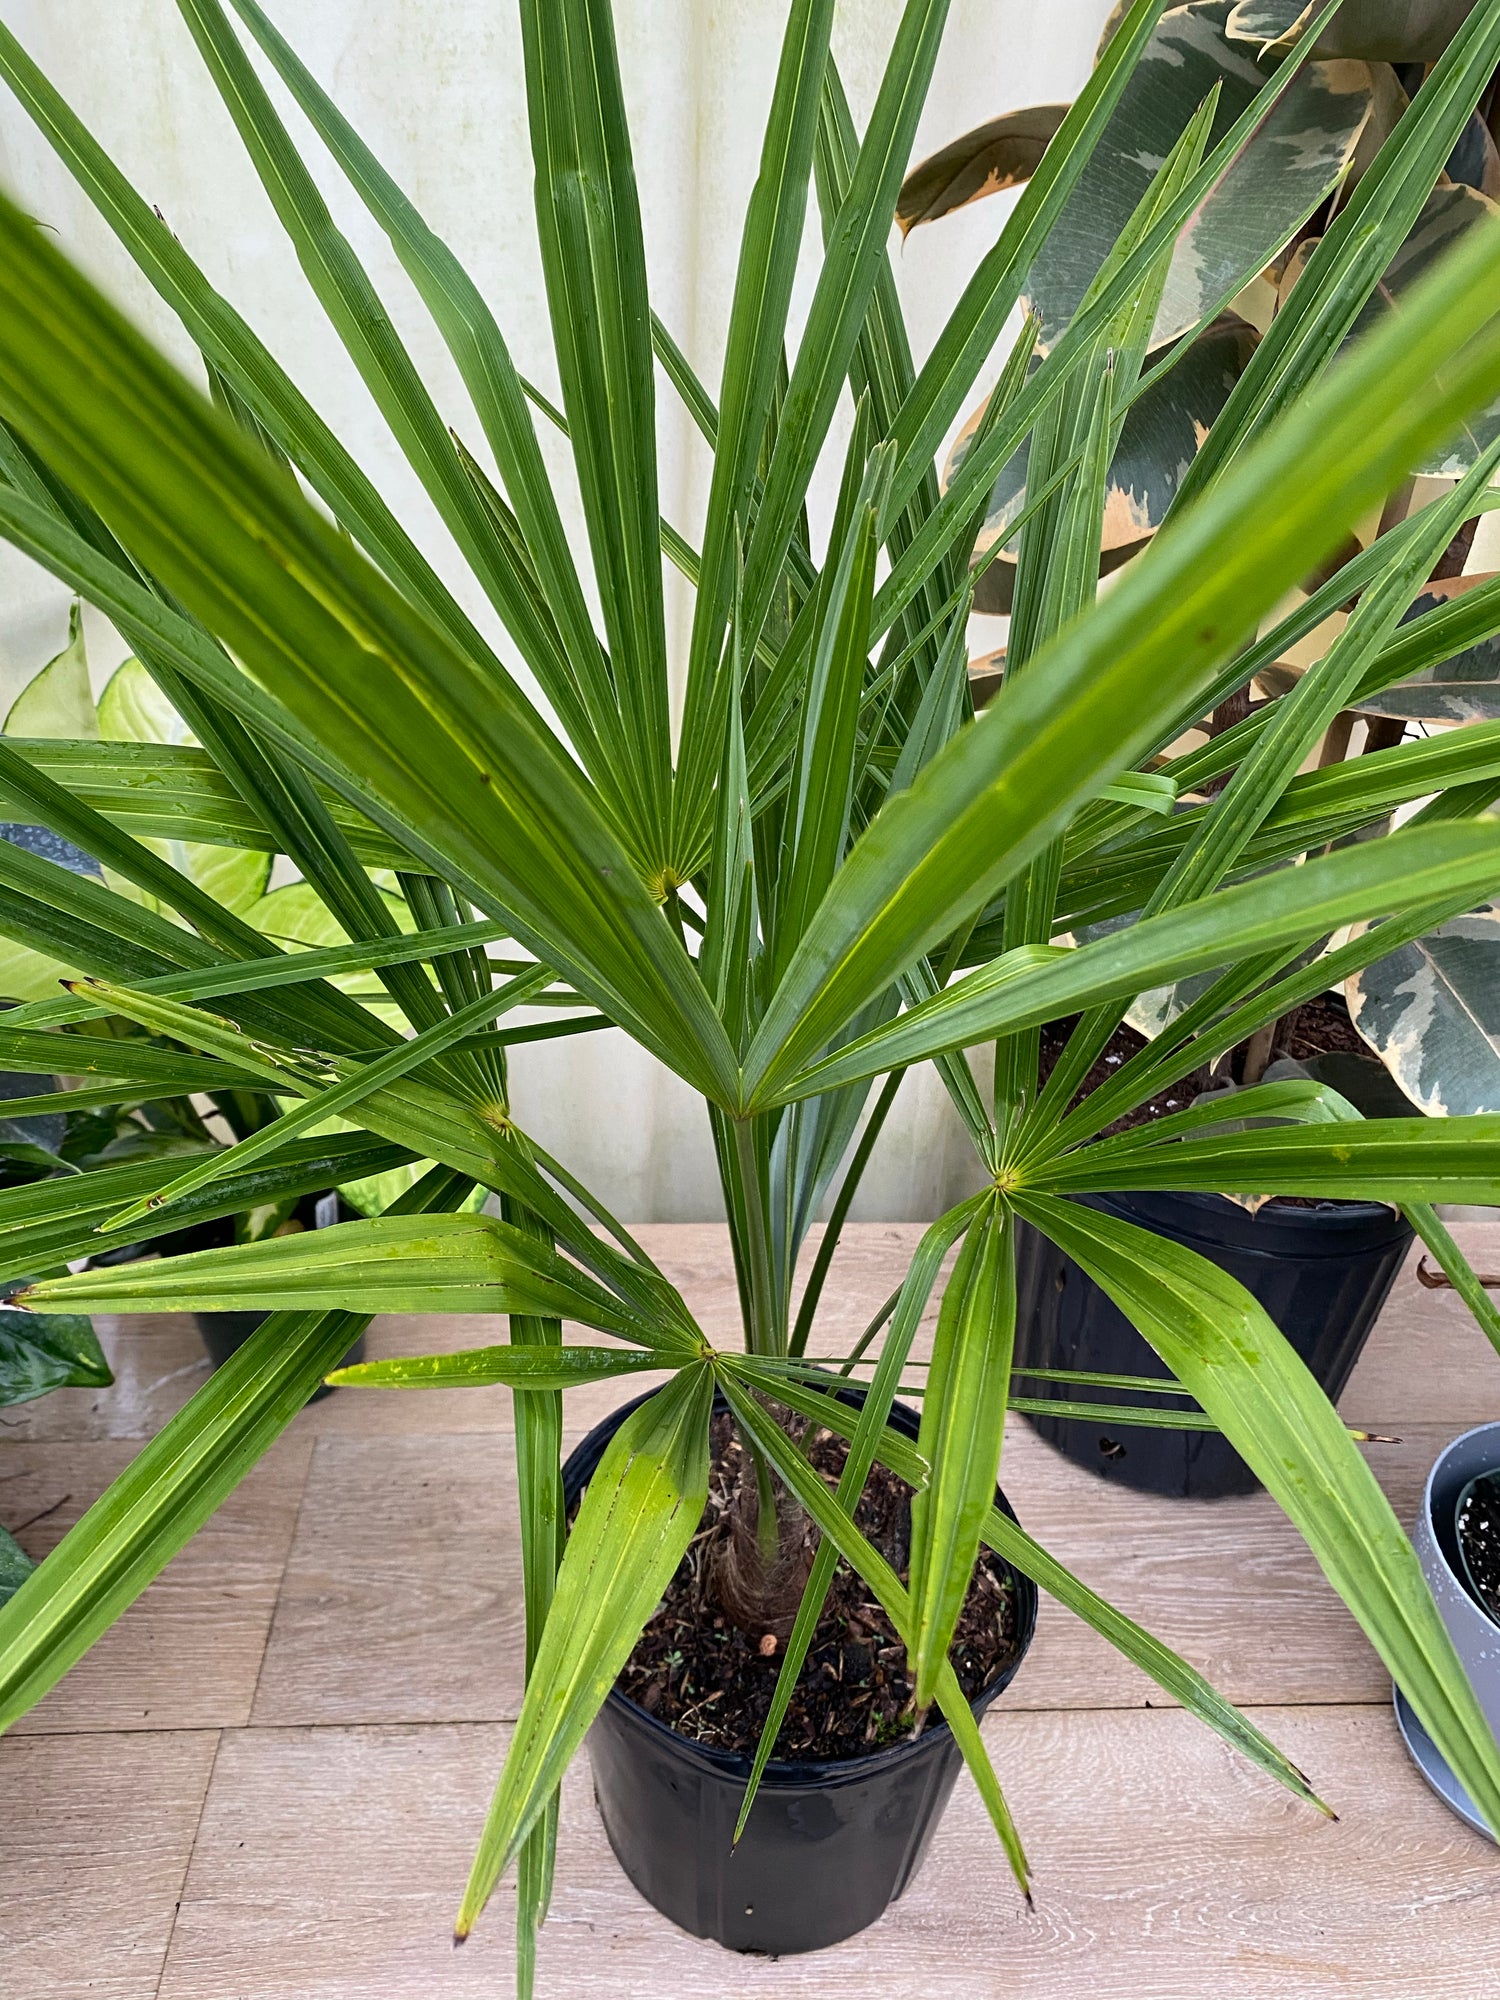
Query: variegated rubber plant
point(1429, 1009)
point(829, 872)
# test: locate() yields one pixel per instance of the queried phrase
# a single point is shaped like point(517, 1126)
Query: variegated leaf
point(1474, 161)
point(1161, 434)
point(1465, 688)
point(995, 156)
point(133, 709)
point(1297, 155)
point(1431, 1012)
point(1379, 30)
point(1448, 213)
point(38, 1354)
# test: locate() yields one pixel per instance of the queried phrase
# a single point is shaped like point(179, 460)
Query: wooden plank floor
point(267, 1780)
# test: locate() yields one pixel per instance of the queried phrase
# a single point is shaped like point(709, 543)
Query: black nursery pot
point(1322, 1275)
point(224, 1334)
point(828, 1846)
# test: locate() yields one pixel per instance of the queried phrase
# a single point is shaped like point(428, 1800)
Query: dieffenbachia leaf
point(133, 709)
point(15, 1566)
point(57, 701)
point(39, 1354)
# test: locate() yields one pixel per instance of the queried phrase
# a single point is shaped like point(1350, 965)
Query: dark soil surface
point(1123, 1044)
point(713, 1682)
point(1479, 1539)
point(1319, 1027)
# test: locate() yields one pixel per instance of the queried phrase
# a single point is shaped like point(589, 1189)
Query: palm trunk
point(757, 1581)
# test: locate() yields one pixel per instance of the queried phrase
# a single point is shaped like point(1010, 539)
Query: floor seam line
point(187, 1864)
point(291, 1546)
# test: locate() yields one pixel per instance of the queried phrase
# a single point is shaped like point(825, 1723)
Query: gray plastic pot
point(1475, 1635)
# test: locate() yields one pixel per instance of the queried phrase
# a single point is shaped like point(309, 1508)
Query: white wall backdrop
point(435, 87)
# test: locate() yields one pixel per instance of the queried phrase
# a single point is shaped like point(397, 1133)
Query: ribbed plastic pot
point(1322, 1274)
point(828, 1846)
point(224, 1334)
point(1474, 1633)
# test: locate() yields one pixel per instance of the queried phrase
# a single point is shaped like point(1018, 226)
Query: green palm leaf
point(474, 762)
point(169, 1490)
point(638, 1514)
point(1223, 1347)
point(1002, 789)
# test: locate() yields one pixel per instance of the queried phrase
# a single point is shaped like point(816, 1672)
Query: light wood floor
point(266, 1782)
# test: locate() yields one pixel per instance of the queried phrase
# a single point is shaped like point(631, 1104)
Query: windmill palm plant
point(830, 872)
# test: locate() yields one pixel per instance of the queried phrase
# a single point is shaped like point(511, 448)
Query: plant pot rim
point(1463, 1437)
point(1437, 1473)
point(788, 1774)
point(1345, 1213)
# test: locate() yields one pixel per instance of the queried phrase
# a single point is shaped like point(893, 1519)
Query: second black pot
point(224, 1333)
point(828, 1846)
point(1321, 1273)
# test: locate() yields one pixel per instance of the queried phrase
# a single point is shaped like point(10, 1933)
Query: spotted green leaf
point(15, 1566)
point(39, 1354)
